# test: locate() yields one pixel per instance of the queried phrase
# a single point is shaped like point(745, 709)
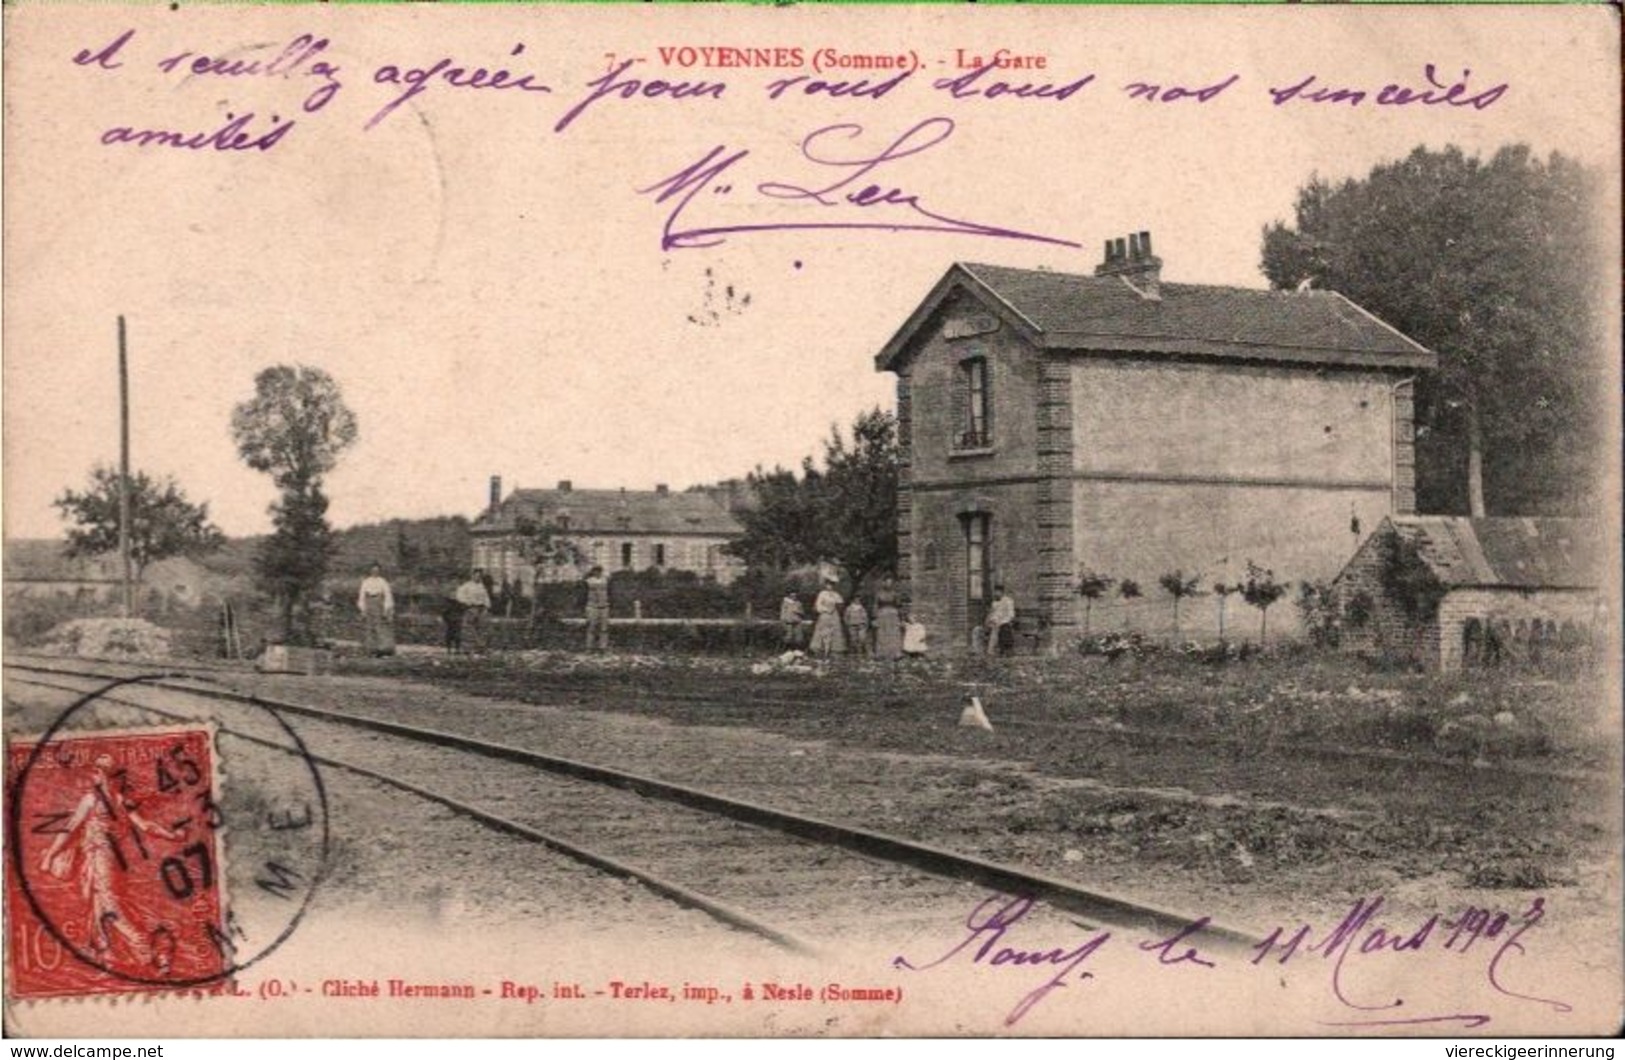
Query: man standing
point(377, 606)
point(791, 618)
point(1001, 623)
point(597, 610)
point(476, 602)
point(857, 627)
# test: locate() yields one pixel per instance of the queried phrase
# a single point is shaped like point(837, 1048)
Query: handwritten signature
point(857, 201)
point(1359, 936)
point(989, 926)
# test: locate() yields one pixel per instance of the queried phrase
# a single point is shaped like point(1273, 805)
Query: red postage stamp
point(115, 880)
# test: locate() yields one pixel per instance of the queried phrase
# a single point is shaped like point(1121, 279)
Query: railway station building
point(1051, 423)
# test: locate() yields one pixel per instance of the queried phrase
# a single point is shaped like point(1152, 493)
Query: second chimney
point(564, 485)
point(1132, 259)
point(496, 492)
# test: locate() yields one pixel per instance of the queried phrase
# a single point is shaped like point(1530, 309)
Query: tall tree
point(781, 528)
point(163, 522)
point(858, 498)
point(1494, 266)
point(846, 511)
point(294, 429)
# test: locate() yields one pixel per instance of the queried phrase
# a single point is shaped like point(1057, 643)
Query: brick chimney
point(660, 488)
point(564, 485)
point(496, 492)
point(1132, 259)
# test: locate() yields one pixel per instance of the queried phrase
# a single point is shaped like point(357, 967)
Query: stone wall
point(1526, 622)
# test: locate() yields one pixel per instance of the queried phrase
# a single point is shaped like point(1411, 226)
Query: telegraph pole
point(124, 472)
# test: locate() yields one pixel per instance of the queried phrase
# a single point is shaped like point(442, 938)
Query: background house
point(40, 570)
point(1050, 422)
point(616, 529)
point(1452, 591)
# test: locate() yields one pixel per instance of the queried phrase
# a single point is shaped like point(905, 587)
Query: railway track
point(1330, 753)
point(728, 857)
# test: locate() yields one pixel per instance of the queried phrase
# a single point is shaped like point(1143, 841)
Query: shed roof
point(613, 511)
point(1068, 311)
point(1540, 552)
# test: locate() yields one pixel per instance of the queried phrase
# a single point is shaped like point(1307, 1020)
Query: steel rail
point(684, 896)
point(1097, 907)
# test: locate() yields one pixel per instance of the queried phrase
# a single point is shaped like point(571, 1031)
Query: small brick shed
point(1454, 591)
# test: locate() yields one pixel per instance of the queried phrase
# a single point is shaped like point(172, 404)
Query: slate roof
point(614, 512)
point(1058, 310)
point(1521, 553)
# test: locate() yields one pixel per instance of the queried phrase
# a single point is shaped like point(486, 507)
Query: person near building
point(597, 609)
point(1001, 623)
point(888, 623)
point(857, 628)
point(791, 619)
point(376, 603)
point(914, 639)
point(475, 599)
point(826, 636)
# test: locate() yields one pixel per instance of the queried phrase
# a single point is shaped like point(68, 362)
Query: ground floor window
point(978, 527)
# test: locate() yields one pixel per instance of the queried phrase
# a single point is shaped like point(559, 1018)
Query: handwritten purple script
point(857, 202)
point(988, 924)
point(308, 59)
point(1357, 940)
point(1359, 936)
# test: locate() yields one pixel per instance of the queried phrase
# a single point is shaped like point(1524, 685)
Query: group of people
point(839, 626)
point(464, 613)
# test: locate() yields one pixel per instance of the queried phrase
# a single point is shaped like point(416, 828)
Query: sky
point(492, 295)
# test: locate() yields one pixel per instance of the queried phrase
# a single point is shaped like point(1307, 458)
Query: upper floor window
point(975, 430)
point(660, 554)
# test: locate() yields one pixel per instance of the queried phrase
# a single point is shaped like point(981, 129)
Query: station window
point(976, 425)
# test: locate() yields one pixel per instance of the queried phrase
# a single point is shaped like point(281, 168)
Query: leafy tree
point(294, 429)
point(163, 522)
point(1261, 590)
point(1092, 585)
point(846, 512)
point(1127, 589)
point(1409, 580)
point(1223, 591)
point(858, 497)
point(781, 531)
point(543, 545)
point(1176, 585)
point(1493, 265)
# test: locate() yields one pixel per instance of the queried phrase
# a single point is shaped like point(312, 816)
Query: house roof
point(1066, 311)
point(613, 511)
point(1522, 553)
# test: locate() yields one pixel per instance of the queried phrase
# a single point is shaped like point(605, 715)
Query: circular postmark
point(157, 845)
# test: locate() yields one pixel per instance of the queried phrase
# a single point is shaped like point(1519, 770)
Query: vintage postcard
point(811, 521)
